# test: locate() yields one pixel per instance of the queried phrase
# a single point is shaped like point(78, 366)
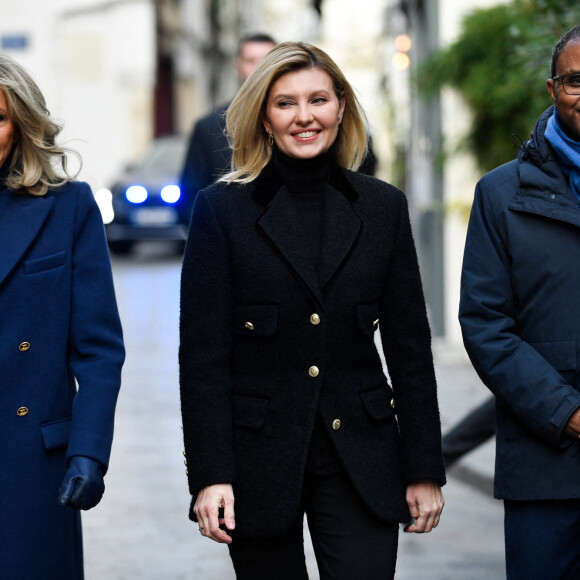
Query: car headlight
point(170, 193)
point(104, 199)
point(136, 194)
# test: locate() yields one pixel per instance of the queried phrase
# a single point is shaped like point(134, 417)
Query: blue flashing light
point(136, 194)
point(170, 193)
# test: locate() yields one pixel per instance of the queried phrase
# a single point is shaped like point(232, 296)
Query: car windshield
point(164, 157)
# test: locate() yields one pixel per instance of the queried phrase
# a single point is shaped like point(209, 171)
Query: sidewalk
point(460, 391)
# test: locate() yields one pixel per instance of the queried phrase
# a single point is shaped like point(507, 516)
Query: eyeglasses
point(570, 83)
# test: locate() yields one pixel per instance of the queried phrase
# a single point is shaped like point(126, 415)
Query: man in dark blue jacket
point(520, 317)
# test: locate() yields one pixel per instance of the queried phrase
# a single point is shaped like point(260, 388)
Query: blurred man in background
point(208, 155)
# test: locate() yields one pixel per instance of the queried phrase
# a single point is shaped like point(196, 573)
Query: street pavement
point(140, 531)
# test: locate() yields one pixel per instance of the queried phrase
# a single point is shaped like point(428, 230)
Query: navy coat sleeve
point(512, 369)
point(96, 351)
point(205, 350)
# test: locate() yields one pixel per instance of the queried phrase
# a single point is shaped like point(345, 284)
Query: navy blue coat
point(268, 342)
point(59, 323)
point(520, 317)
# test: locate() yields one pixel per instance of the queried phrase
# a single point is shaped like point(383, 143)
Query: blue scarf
point(568, 152)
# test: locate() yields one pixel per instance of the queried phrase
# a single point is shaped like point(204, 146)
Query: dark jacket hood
point(538, 165)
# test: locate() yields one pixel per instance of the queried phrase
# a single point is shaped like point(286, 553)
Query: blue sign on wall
point(14, 42)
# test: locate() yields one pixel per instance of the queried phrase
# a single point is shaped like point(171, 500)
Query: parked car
point(145, 202)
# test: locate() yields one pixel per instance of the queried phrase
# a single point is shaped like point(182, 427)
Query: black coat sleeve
point(205, 351)
point(406, 340)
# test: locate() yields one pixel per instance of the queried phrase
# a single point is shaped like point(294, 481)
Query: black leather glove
point(83, 485)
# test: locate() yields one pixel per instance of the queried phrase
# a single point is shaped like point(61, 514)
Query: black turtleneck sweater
point(307, 181)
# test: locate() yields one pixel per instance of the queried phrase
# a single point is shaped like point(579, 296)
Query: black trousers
point(349, 542)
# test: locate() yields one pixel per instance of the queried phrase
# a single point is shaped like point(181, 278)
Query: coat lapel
point(19, 225)
point(281, 225)
point(341, 229)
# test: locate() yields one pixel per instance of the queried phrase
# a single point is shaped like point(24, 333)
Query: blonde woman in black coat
point(293, 262)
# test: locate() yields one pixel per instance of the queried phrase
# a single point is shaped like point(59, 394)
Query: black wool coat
point(268, 342)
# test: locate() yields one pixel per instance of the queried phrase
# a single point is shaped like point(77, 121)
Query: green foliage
point(500, 64)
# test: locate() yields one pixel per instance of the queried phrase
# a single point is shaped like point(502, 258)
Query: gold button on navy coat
point(59, 323)
point(250, 398)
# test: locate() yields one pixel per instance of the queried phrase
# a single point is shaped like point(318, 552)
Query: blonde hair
point(35, 152)
point(251, 151)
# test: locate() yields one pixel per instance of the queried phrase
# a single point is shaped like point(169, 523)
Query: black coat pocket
point(249, 411)
point(379, 402)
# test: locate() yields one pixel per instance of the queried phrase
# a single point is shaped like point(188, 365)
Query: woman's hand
point(207, 506)
point(425, 501)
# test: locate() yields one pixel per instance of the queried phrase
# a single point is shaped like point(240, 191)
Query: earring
point(271, 139)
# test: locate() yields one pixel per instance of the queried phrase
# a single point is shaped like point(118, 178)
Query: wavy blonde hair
point(251, 151)
point(35, 154)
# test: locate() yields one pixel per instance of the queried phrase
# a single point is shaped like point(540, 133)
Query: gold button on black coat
point(315, 319)
point(313, 371)
point(336, 424)
point(22, 411)
point(375, 323)
point(24, 346)
point(392, 403)
point(249, 325)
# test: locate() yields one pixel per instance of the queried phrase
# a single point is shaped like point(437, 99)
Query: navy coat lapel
point(280, 222)
point(20, 223)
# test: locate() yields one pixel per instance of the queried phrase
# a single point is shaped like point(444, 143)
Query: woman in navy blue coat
point(62, 347)
point(291, 265)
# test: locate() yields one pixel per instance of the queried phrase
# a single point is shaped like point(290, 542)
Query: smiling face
point(7, 129)
point(303, 113)
point(568, 106)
